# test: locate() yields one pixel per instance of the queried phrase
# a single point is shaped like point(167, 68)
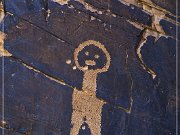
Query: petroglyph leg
point(76, 122)
point(95, 125)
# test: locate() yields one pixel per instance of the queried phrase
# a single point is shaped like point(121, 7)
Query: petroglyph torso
point(86, 106)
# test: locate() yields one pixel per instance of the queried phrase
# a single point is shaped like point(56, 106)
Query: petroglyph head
point(92, 55)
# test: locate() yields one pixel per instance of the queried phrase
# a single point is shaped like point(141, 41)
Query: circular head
point(100, 46)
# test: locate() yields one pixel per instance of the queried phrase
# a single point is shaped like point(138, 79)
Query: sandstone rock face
point(45, 92)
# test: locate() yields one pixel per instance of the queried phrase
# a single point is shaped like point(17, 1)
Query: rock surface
point(138, 90)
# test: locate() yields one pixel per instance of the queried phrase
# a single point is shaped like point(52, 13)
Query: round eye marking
point(96, 56)
point(87, 53)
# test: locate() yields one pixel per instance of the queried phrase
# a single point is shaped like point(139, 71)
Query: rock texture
point(138, 91)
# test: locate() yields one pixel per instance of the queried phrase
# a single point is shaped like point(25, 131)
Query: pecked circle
point(100, 46)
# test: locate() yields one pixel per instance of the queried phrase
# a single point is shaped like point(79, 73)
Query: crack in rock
point(62, 2)
point(85, 4)
point(3, 51)
point(158, 13)
point(155, 30)
point(47, 76)
point(5, 126)
point(145, 35)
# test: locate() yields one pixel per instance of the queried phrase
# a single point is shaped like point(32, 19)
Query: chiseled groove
point(128, 110)
point(59, 81)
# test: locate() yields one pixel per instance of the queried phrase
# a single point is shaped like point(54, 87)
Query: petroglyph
point(86, 106)
point(96, 56)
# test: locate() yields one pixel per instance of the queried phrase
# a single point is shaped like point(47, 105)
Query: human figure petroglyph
point(86, 106)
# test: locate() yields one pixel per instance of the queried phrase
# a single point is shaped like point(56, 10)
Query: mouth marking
point(90, 62)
